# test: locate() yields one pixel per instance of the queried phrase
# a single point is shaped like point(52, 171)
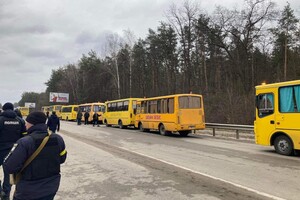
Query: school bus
point(92, 108)
point(69, 112)
point(57, 109)
point(120, 112)
point(277, 116)
point(24, 111)
point(174, 113)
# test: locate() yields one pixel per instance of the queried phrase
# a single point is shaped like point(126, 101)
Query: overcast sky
point(37, 36)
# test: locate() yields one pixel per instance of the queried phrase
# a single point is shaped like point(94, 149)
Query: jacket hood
point(9, 114)
point(53, 116)
point(37, 127)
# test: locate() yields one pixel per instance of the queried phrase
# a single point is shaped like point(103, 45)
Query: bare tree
point(113, 45)
point(129, 40)
point(71, 76)
point(242, 31)
point(182, 20)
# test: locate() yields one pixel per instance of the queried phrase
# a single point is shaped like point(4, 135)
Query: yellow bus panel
point(277, 116)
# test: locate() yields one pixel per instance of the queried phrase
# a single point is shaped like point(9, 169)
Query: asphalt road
point(112, 163)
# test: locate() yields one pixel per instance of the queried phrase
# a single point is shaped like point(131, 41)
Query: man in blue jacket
point(53, 122)
point(11, 129)
point(41, 178)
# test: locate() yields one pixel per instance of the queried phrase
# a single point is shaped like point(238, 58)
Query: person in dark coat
point(41, 178)
point(95, 119)
point(86, 117)
point(53, 122)
point(78, 117)
point(12, 128)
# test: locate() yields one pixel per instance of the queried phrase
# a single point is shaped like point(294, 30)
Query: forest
point(222, 55)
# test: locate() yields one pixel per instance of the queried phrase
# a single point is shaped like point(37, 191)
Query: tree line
point(222, 56)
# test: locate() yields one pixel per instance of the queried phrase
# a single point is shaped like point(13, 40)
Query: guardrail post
point(237, 134)
point(214, 132)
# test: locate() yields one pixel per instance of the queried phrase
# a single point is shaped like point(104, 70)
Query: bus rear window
point(189, 102)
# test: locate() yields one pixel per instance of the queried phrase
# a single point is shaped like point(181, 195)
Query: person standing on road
point(78, 117)
point(95, 119)
point(53, 122)
point(12, 128)
point(86, 117)
point(40, 179)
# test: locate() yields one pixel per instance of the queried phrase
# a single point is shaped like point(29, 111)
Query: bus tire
point(283, 145)
point(163, 131)
point(184, 133)
point(106, 124)
point(141, 128)
point(121, 124)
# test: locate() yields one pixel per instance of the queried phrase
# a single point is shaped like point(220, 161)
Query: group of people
point(31, 154)
point(86, 118)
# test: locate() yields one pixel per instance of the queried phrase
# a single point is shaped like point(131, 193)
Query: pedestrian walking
point(53, 122)
point(86, 117)
point(40, 178)
point(95, 119)
point(79, 117)
point(11, 129)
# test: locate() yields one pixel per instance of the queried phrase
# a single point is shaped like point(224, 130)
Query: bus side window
point(159, 106)
point(265, 104)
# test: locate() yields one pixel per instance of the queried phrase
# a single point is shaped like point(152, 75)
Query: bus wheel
point(163, 131)
point(141, 127)
point(184, 133)
point(283, 145)
point(121, 124)
point(106, 124)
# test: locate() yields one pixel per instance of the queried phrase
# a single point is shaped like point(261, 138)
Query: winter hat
point(8, 106)
point(36, 117)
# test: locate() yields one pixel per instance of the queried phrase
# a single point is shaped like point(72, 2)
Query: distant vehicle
point(24, 111)
point(69, 112)
point(277, 116)
point(57, 109)
point(92, 108)
point(120, 112)
point(174, 113)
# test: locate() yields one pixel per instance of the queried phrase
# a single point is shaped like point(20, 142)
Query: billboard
point(59, 97)
point(29, 105)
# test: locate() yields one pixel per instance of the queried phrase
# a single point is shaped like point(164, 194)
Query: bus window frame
point(266, 112)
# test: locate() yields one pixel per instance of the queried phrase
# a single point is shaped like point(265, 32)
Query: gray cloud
point(39, 36)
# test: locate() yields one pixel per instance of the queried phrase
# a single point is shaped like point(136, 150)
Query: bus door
point(137, 114)
point(265, 118)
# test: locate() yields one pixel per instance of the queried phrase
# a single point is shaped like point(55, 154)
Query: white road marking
point(207, 175)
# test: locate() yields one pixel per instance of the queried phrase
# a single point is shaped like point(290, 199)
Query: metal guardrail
point(235, 127)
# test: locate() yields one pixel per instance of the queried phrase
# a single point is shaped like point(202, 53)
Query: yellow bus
point(69, 112)
point(277, 116)
point(57, 109)
point(174, 113)
point(92, 108)
point(24, 111)
point(120, 112)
